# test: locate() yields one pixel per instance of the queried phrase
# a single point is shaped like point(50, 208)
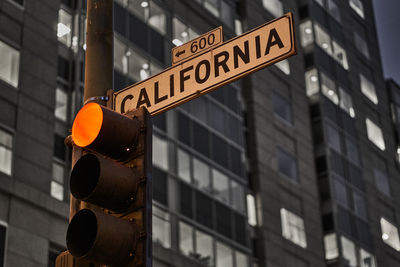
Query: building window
point(306, 33)
point(375, 134)
point(368, 89)
point(312, 85)
point(201, 175)
point(3, 242)
point(333, 138)
point(331, 247)
point(60, 109)
point(138, 66)
point(161, 227)
point(184, 166)
point(120, 56)
point(9, 64)
point(398, 154)
point(329, 89)
point(150, 13)
point(358, 7)
point(160, 153)
point(64, 27)
point(224, 255)
point(346, 102)
point(181, 33)
point(366, 259)
point(360, 208)
point(204, 248)
point(284, 66)
point(241, 259)
point(237, 199)
point(341, 195)
point(282, 107)
point(339, 54)
point(251, 210)
point(6, 144)
point(57, 183)
point(361, 44)
point(390, 234)
point(348, 251)
point(287, 164)
point(331, 7)
point(293, 228)
point(381, 181)
point(220, 186)
point(186, 239)
point(275, 7)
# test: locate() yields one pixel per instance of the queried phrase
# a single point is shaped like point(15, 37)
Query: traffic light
point(113, 179)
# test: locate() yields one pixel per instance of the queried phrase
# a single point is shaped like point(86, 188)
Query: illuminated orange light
point(87, 124)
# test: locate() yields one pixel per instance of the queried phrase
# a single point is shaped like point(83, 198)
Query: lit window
point(64, 27)
point(237, 199)
point(375, 134)
point(348, 251)
point(346, 102)
point(184, 166)
point(138, 7)
point(312, 85)
point(306, 33)
point(201, 175)
point(186, 239)
point(251, 210)
point(331, 247)
point(6, 143)
point(161, 227)
point(212, 6)
point(398, 153)
point(275, 7)
point(339, 54)
point(181, 33)
point(221, 186)
point(293, 228)
point(238, 27)
point(120, 56)
point(357, 6)
point(282, 107)
point(139, 67)
point(366, 259)
point(287, 164)
point(60, 110)
point(241, 259)
point(323, 39)
point(390, 234)
point(9, 64)
point(155, 69)
point(204, 248)
point(157, 19)
point(224, 255)
point(57, 183)
point(381, 181)
point(160, 153)
point(368, 89)
point(361, 44)
point(329, 89)
point(283, 66)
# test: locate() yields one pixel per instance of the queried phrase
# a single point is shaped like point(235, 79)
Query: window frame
point(11, 132)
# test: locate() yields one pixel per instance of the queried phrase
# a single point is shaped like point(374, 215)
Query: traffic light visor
point(87, 124)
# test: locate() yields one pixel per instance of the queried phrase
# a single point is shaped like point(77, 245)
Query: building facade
point(295, 165)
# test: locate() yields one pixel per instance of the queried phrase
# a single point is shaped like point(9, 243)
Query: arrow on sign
point(180, 53)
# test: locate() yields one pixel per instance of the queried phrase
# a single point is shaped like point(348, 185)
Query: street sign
point(198, 45)
point(207, 71)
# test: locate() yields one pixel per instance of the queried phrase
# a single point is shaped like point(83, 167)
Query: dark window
point(363, 233)
point(157, 45)
point(138, 32)
point(59, 147)
point(160, 186)
point(356, 177)
point(201, 139)
point(240, 229)
point(341, 195)
point(336, 163)
point(352, 151)
point(327, 222)
point(232, 100)
point(235, 160)
point(224, 221)
point(235, 129)
point(329, 109)
point(282, 107)
point(204, 209)
point(321, 164)
point(119, 81)
point(287, 164)
point(119, 19)
point(220, 151)
point(219, 95)
point(3, 230)
point(160, 121)
point(345, 221)
point(359, 205)
point(69, 3)
point(186, 201)
point(184, 129)
point(63, 68)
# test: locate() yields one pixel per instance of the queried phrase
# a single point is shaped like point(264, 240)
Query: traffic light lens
point(82, 232)
point(87, 124)
point(85, 176)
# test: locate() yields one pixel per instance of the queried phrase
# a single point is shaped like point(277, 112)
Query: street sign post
point(197, 45)
point(209, 70)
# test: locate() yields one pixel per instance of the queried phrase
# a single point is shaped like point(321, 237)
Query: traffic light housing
point(113, 181)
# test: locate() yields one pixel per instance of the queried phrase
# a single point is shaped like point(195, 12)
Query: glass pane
point(352, 151)
point(158, 19)
point(241, 259)
point(139, 67)
point(212, 6)
point(160, 153)
point(348, 251)
point(361, 44)
point(375, 134)
point(201, 175)
point(293, 228)
point(58, 173)
point(283, 66)
point(282, 107)
point(331, 247)
point(390, 234)
point(340, 55)
point(287, 164)
point(357, 6)
point(238, 201)
point(275, 7)
point(333, 138)
point(359, 206)
point(306, 33)
point(227, 13)
point(6, 139)
point(120, 56)
point(329, 89)
point(185, 238)
point(9, 64)
point(184, 165)
point(220, 186)
point(251, 210)
point(60, 109)
point(179, 32)
point(57, 191)
point(204, 248)
point(381, 181)
point(334, 10)
point(367, 259)
point(161, 228)
point(312, 84)
point(5, 160)
point(368, 89)
point(140, 8)
point(64, 27)
point(341, 193)
point(224, 255)
point(323, 39)
point(346, 102)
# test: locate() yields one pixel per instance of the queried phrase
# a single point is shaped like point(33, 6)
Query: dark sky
point(387, 16)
